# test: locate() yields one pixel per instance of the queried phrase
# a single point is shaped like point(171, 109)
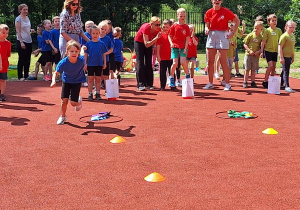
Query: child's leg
point(90, 83)
point(2, 86)
point(246, 76)
point(63, 107)
point(269, 69)
point(163, 74)
point(252, 75)
point(273, 68)
point(98, 83)
point(173, 67)
point(192, 69)
point(184, 65)
point(36, 70)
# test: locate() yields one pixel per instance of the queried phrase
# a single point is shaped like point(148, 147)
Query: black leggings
point(164, 66)
point(24, 59)
point(285, 74)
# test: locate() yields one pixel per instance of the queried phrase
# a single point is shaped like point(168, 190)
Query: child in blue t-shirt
point(118, 50)
point(95, 57)
point(54, 37)
point(71, 68)
point(88, 25)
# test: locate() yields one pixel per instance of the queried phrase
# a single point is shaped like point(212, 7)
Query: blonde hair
point(72, 43)
point(67, 6)
point(270, 17)
point(88, 22)
point(154, 19)
point(259, 23)
point(117, 31)
point(290, 22)
point(180, 10)
point(103, 23)
point(54, 18)
point(4, 27)
point(21, 6)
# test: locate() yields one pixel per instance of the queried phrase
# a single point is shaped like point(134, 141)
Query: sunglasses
point(157, 25)
point(75, 4)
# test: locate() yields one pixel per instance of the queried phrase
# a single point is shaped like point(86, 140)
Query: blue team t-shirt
point(108, 43)
point(95, 52)
point(54, 36)
point(118, 50)
point(46, 36)
point(72, 73)
point(82, 41)
point(40, 41)
point(111, 36)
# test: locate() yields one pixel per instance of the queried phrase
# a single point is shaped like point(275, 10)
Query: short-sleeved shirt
point(25, 29)
point(218, 19)
point(287, 41)
point(72, 72)
point(54, 36)
point(144, 29)
point(111, 36)
point(40, 41)
point(108, 43)
point(95, 51)
point(178, 34)
point(165, 48)
point(82, 41)
point(272, 37)
point(5, 50)
point(253, 42)
point(192, 52)
point(46, 36)
point(70, 24)
point(231, 50)
point(118, 48)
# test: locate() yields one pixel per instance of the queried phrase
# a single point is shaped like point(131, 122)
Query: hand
point(158, 59)
point(84, 47)
point(23, 46)
point(184, 51)
point(104, 66)
point(251, 52)
point(158, 35)
point(243, 23)
point(53, 84)
point(55, 50)
point(206, 30)
point(172, 45)
point(85, 67)
point(282, 61)
point(32, 30)
point(292, 60)
point(257, 53)
point(261, 55)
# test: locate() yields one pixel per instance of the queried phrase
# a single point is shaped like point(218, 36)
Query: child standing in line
point(179, 39)
point(47, 47)
point(88, 25)
point(71, 68)
point(118, 51)
point(231, 50)
point(252, 44)
point(192, 50)
point(270, 45)
point(112, 59)
point(54, 36)
point(239, 34)
point(109, 45)
point(164, 54)
point(95, 57)
point(286, 51)
point(5, 51)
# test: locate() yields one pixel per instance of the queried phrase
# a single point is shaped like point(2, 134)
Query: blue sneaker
point(172, 82)
point(187, 76)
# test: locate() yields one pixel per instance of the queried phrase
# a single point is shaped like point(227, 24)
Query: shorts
point(119, 65)
point(217, 40)
point(175, 52)
point(229, 63)
point(271, 56)
point(56, 57)
point(105, 72)
point(191, 59)
point(251, 62)
point(236, 58)
point(94, 70)
point(47, 56)
point(3, 76)
point(41, 60)
point(112, 62)
point(70, 91)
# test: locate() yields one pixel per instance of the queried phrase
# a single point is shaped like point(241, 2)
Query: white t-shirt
point(25, 29)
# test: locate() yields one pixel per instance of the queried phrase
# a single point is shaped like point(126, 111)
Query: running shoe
point(217, 75)
point(223, 83)
point(142, 88)
point(187, 76)
point(253, 84)
point(61, 120)
point(239, 75)
point(227, 87)
point(208, 86)
point(98, 97)
point(172, 82)
point(178, 83)
point(289, 90)
point(245, 84)
point(265, 84)
point(90, 97)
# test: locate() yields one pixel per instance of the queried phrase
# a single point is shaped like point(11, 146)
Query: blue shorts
point(3, 76)
point(217, 40)
point(236, 58)
point(176, 51)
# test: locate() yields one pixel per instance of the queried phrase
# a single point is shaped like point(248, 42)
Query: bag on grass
point(274, 85)
point(112, 88)
point(187, 88)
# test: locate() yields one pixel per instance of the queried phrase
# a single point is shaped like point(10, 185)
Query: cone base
point(189, 97)
point(111, 99)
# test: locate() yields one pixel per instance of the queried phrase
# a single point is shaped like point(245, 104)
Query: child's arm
point(243, 27)
point(104, 61)
point(280, 52)
point(85, 58)
point(170, 40)
point(53, 83)
point(187, 39)
point(158, 53)
point(195, 42)
point(262, 47)
point(51, 44)
point(248, 49)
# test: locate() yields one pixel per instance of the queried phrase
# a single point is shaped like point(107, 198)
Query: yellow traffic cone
point(155, 177)
point(117, 140)
point(270, 131)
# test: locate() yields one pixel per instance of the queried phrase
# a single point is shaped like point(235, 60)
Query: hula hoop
point(87, 119)
point(127, 62)
point(224, 115)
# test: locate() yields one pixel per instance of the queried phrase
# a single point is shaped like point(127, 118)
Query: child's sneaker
point(223, 83)
point(265, 84)
point(98, 97)
point(246, 84)
point(79, 106)
point(178, 83)
point(253, 84)
point(187, 76)
point(90, 97)
point(227, 87)
point(289, 90)
point(141, 88)
point(61, 120)
point(239, 75)
point(208, 86)
point(172, 82)
point(217, 75)
point(2, 97)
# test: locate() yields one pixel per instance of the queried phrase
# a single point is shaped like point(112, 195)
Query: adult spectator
point(70, 25)
point(216, 27)
point(24, 41)
point(146, 37)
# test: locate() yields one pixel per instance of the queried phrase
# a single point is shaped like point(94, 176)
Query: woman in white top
point(24, 41)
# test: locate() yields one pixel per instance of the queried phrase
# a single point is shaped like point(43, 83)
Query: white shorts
point(217, 40)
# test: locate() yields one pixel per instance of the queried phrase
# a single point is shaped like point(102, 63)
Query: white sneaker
point(217, 75)
point(178, 83)
point(227, 87)
point(79, 106)
point(85, 84)
point(289, 90)
point(223, 83)
point(208, 86)
point(61, 120)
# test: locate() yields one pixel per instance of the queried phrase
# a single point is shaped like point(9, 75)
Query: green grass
point(295, 72)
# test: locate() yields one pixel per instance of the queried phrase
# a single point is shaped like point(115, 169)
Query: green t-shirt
point(253, 42)
point(272, 37)
point(231, 50)
point(287, 41)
